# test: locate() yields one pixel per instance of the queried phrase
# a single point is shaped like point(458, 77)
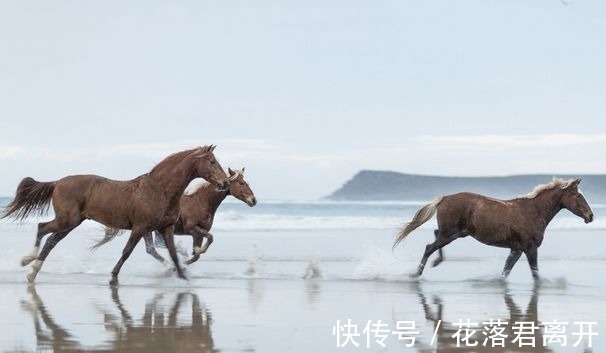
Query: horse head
point(574, 201)
point(207, 167)
point(239, 188)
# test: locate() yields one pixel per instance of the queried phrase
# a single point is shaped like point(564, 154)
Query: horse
point(518, 224)
point(198, 209)
point(144, 204)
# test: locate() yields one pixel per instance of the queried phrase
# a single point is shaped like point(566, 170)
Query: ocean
point(284, 276)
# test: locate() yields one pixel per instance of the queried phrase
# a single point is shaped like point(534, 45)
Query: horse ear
point(200, 152)
point(212, 148)
point(243, 170)
point(231, 172)
point(577, 182)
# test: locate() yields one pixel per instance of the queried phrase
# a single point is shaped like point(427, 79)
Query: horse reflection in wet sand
point(144, 204)
point(446, 343)
point(156, 331)
point(198, 209)
point(518, 224)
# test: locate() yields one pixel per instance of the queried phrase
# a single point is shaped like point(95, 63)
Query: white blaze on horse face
point(36, 266)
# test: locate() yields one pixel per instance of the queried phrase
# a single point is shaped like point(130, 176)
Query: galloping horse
point(144, 204)
point(518, 224)
point(198, 210)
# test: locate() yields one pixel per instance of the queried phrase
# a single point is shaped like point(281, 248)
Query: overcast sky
point(302, 93)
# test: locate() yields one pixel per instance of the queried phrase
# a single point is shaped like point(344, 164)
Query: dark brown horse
point(144, 204)
point(198, 209)
point(518, 224)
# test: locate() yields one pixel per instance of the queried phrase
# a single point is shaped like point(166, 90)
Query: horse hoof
point(436, 262)
point(26, 260)
point(113, 281)
point(414, 275)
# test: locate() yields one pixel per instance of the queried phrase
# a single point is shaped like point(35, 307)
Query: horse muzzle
point(251, 201)
point(589, 218)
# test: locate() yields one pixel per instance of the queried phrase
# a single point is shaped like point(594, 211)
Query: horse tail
point(422, 216)
point(110, 234)
point(31, 197)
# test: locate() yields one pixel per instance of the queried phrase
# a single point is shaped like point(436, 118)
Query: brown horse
point(518, 224)
point(144, 204)
point(198, 210)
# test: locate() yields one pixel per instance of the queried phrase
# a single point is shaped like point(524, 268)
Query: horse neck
point(174, 177)
point(547, 204)
point(211, 197)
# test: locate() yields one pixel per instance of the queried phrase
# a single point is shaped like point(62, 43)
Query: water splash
point(313, 269)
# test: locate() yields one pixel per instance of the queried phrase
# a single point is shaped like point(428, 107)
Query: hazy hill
point(370, 185)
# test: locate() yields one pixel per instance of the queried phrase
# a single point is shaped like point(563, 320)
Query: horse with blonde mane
point(198, 209)
point(518, 224)
point(144, 204)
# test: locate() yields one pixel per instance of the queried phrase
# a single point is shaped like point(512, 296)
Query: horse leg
point(531, 255)
point(514, 255)
point(431, 248)
point(149, 247)
point(159, 241)
point(203, 234)
point(440, 258)
point(135, 236)
point(49, 244)
point(199, 234)
point(44, 228)
point(197, 242)
point(167, 234)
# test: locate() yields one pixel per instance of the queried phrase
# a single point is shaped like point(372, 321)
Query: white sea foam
point(243, 221)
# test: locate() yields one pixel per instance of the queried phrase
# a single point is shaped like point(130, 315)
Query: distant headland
point(370, 185)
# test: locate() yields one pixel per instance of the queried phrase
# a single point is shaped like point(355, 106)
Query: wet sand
point(225, 307)
point(262, 315)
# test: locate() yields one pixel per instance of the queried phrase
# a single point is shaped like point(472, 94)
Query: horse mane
point(555, 183)
point(179, 156)
point(194, 187)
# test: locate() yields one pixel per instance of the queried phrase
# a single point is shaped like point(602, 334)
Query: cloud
point(10, 152)
point(512, 141)
point(156, 150)
point(284, 169)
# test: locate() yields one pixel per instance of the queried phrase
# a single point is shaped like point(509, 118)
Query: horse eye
point(241, 183)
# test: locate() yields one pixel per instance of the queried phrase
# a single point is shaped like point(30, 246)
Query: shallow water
point(248, 293)
point(274, 315)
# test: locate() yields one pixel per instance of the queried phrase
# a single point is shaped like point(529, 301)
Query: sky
point(302, 93)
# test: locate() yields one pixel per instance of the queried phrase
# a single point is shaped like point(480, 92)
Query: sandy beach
point(249, 294)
